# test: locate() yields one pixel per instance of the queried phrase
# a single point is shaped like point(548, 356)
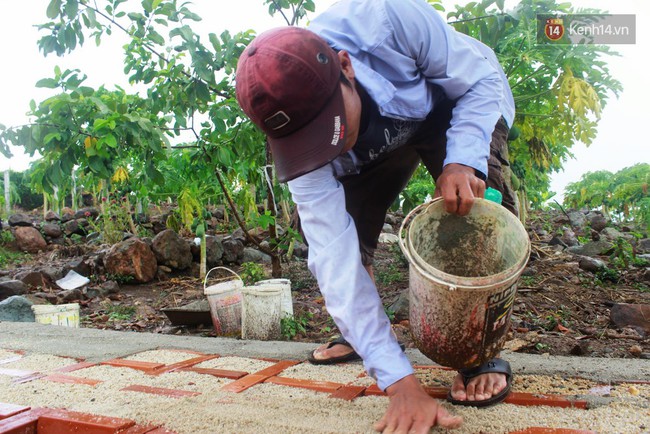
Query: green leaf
point(71, 8)
point(48, 83)
point(53, 9)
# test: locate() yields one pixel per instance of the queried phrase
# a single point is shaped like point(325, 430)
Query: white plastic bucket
point(463, 274)
point(62, 314)
point(261, 312)
point(225, 304)
point(287, 300)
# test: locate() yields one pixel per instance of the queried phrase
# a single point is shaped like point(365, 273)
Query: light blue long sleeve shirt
point(408, 59)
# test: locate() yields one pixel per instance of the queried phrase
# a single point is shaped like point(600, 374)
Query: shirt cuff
point(468, 151)
point(387, 369)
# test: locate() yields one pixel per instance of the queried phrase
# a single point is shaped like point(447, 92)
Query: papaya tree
point(559, 90)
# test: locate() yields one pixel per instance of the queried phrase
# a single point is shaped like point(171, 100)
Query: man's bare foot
point(482, 386)
point(479, 388)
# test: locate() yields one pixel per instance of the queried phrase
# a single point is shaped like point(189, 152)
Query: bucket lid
point(223, 287)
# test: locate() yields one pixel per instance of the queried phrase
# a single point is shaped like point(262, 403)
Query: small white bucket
point(225, 304)
point(63, 314)
point(287, 301)
point(261, 312)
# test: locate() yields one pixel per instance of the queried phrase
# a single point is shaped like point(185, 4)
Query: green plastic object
point(493, 195)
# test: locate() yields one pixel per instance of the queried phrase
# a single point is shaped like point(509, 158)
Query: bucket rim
point(216, 289)
point(505, 277)
point(264, 290)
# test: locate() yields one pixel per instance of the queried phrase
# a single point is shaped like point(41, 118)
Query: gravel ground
point(273, 408)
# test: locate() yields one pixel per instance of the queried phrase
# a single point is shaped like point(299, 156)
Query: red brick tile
point(8, 410)
point(222, 373)
point(528, 399)
point(76, 367)
point(133, 364)
point(180, 365)
point(69, 379)
point(244, 383)
point(277, 368)
point(22, 423)
point(348, 392)
point(318, 386)
point(172, 393)
point(374, 390)
point(140, 429)
point(538, 430)
point(69, 422)
point(160, 431)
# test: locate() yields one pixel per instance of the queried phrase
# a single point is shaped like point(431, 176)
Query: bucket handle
point(217, 268)
point(403, 230)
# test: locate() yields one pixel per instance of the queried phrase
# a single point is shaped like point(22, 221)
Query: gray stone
point(87, 213)
point(232, 250)
point(52, 216)
point(569, 237)
point(73, 227)
point(79, 266)
point(52, 230)
point(16, 309)
point(172, 250)
point(385, 238)
point(577, 219)
point(213, 250)
point(611, 234)
point(300, 250)
point(391, 219)
point(593, 248)
point(636, 316)
point(591, 264)
point(71, 295)
point(643, 245)
point(387, 228)
point(401, 306)
point(597, 221)
point(253, 255)
point(20, 220)
point(33, 279)
point(10, 288)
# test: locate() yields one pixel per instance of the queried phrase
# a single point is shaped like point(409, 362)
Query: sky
point(621, 140)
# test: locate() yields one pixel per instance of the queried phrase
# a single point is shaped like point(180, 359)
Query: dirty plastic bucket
point(463, 274)
point(62, 314)
point(225, 304)
point(261, 312)
point(287, 300)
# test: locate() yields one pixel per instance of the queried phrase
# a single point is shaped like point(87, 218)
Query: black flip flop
point(350, 357)
point(494, 366)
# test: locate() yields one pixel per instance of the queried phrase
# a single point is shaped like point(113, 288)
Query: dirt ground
point(560, 309)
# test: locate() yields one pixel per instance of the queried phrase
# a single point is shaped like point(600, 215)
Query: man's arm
point(350, 295)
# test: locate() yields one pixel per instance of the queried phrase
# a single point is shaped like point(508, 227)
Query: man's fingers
point(448, 421)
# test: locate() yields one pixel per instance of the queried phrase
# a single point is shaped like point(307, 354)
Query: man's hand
point(411, 410)
point(458, 186)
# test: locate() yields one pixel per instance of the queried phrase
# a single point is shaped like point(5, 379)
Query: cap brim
point(314, 145)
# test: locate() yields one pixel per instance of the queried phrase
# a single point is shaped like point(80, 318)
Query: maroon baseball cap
point(288, 83)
